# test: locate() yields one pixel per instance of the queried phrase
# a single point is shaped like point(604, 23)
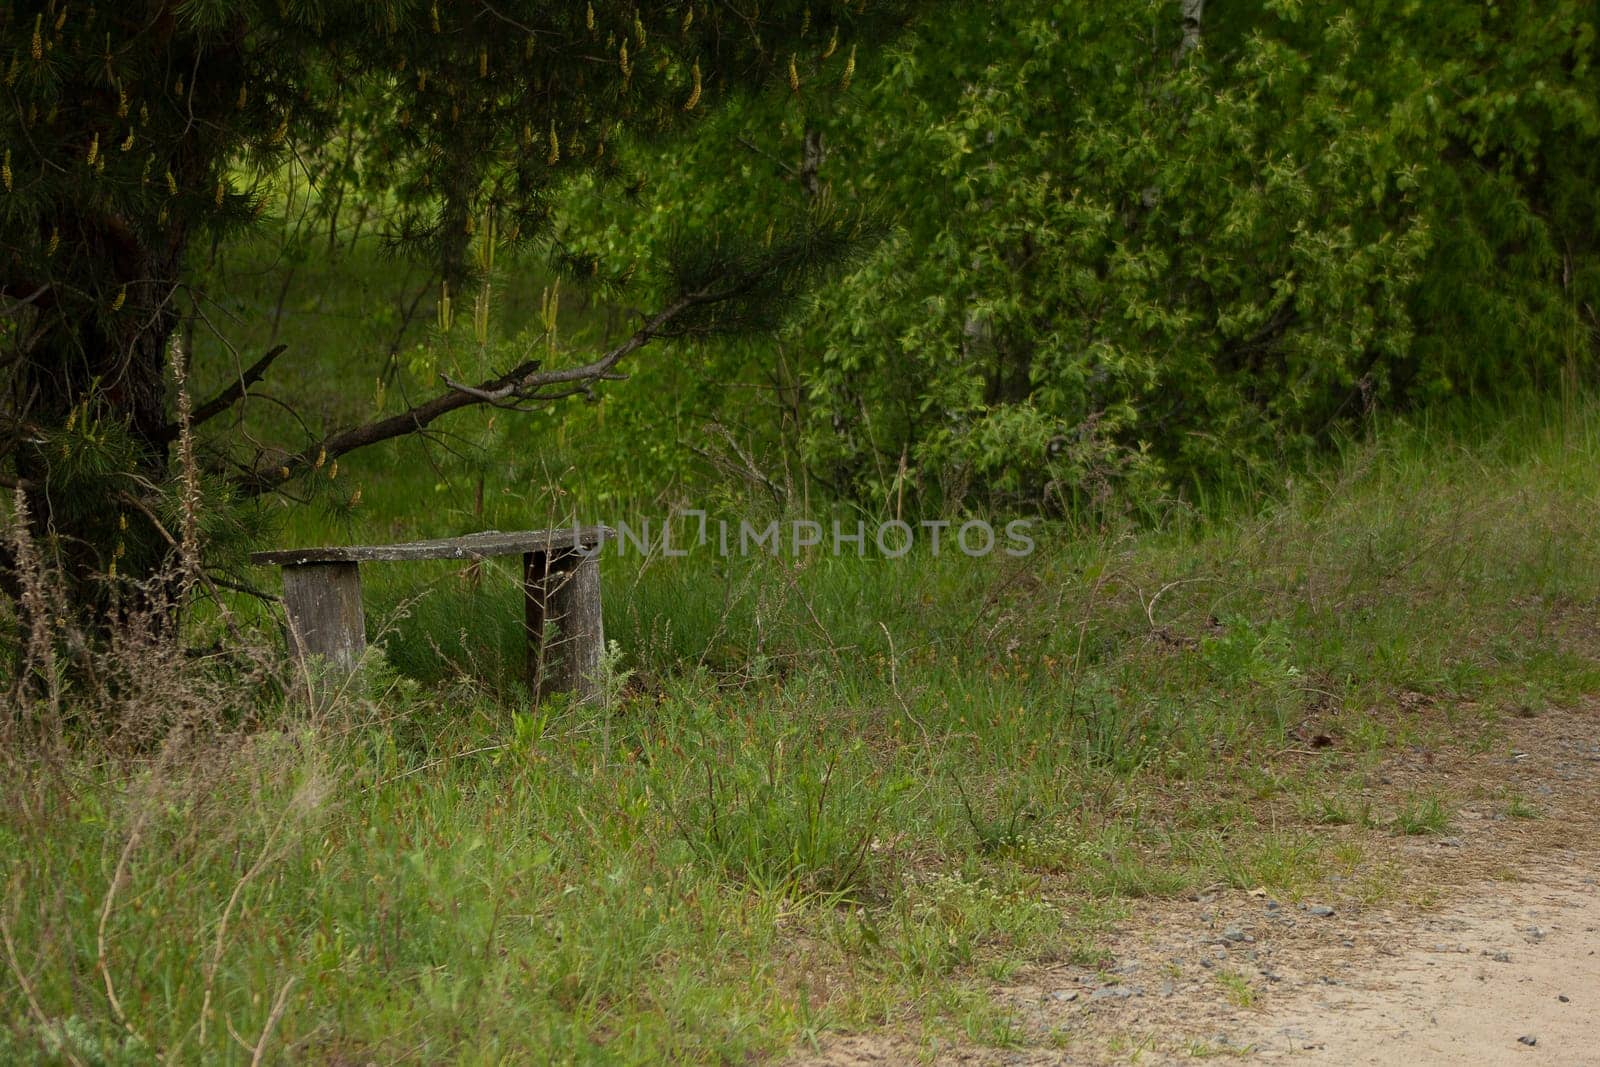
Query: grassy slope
point(832, 793)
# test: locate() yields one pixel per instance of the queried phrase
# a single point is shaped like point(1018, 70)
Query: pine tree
point(132, 132)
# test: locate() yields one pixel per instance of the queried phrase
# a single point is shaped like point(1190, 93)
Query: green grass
point(1237, 988)
point(1423, 815)
point(831, 794)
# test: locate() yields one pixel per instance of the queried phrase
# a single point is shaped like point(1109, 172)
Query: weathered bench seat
point(561, 596)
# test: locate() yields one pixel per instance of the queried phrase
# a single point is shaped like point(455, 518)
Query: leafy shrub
point(1117, 274)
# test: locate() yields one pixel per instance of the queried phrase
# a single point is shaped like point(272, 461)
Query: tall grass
point(831, 792)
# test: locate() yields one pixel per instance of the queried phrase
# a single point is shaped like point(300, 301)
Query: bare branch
point(11, 308)
point(227, 398)
point(521, 384)
point(474, 391)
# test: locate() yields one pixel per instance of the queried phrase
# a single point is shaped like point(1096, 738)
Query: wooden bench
point(560, 584)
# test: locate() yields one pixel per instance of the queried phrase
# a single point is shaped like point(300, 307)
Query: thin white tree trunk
point(1193, 10)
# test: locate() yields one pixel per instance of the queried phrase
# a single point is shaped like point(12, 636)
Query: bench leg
point(323, 605)
point(566, 634)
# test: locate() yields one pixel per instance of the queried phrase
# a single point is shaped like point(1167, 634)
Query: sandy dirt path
point(1484, 950)
point(1511, 976)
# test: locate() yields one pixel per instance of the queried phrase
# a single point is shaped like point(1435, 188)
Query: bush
point(1117, 274)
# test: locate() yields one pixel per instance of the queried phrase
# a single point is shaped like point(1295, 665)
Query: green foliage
point(135, 136)
point(1116, 274)
point(485, 110)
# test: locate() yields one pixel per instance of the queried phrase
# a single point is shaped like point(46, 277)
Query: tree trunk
point(95, 388)
point(1193, 12)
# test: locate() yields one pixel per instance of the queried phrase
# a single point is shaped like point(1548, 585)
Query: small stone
point(1111, 992)
point(1233, 933)
point(1066, 996)
point(1272, 905)
point(1320, 911)
point(1498, 957)
point(1563, 998)
point(1529, 1040)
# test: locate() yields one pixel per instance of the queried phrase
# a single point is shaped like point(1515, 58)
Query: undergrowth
point(824, 792)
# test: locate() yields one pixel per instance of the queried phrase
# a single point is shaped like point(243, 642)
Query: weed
point(1422, 815)
point(1520, 808)
point(819, 790)
point(1237, 988)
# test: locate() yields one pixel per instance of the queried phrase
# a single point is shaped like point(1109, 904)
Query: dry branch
point(225, 399)
point(524, 384)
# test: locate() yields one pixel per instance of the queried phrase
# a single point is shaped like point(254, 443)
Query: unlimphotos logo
point(688, 530)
